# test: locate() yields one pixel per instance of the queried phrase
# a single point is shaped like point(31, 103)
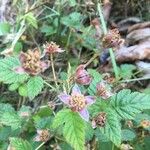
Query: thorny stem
point(53, 70)
point(40, 146)
point(110, 49)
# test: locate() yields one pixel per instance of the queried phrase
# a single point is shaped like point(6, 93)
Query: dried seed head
point(99, 120)
point(52, 105)
point(109, 78)
point(77, 102)
point(103, 91)
point(51, 48)
point(126, 147)
point(145, 123)
point(31, 62)
point(112, 39)
point(42, 136)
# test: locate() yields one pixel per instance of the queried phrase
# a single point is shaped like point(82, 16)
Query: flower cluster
point(112, 39)
point(31, 63)
point(78, 102)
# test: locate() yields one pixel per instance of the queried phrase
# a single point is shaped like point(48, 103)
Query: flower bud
point(82, 76)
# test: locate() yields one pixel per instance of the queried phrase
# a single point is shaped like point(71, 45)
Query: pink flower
point(82, 76)
point(31, 63)
point(78, 102)
point(50, 48)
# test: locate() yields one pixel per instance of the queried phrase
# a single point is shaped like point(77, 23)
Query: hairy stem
point(53, 70)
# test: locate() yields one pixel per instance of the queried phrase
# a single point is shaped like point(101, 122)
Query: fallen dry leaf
point(137, 52)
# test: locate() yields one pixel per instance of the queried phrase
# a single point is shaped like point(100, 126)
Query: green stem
point(49, 85)
point(40, 146)
point(53, 70)
point(68, 40)
point(104, 27)
point(137, 79)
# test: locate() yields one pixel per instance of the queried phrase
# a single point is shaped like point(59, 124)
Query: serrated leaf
point(6, 108)
point(127, 104)
point(20, 144)
point(74, 131)
point(34, 86)
point(7, 73)
point(127, 135)
point(4, 133)
point(72, 20)
point(126, 71)
point(89, 132)
point(74, 128)
point(11, 119)
point(112, 128)
point(60, 118)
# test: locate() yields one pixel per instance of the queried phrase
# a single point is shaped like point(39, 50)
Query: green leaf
point(23, 90)
point(11, 119)
point(74, 131)
point(7, 73)
point(97, 77)
point(72, 20)
point(34, 86)
point(48, 30)
point(89, 132)
point(30, 18)
point(4, 133)
point(14, 86)
point(60, 118)
point(127, 104)
point(4, 28)
point(6, 108)
point(126, 71)
point(127, 135)
point(20, 144)
point(112, 128)
point(74, 128)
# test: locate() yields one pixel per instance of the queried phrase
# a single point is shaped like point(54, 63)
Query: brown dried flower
point(103, 91)
point(99, 120)
point(51, 48)
point(112, 39)
point(31, 63)
point(42, 136)
point(145, 123)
